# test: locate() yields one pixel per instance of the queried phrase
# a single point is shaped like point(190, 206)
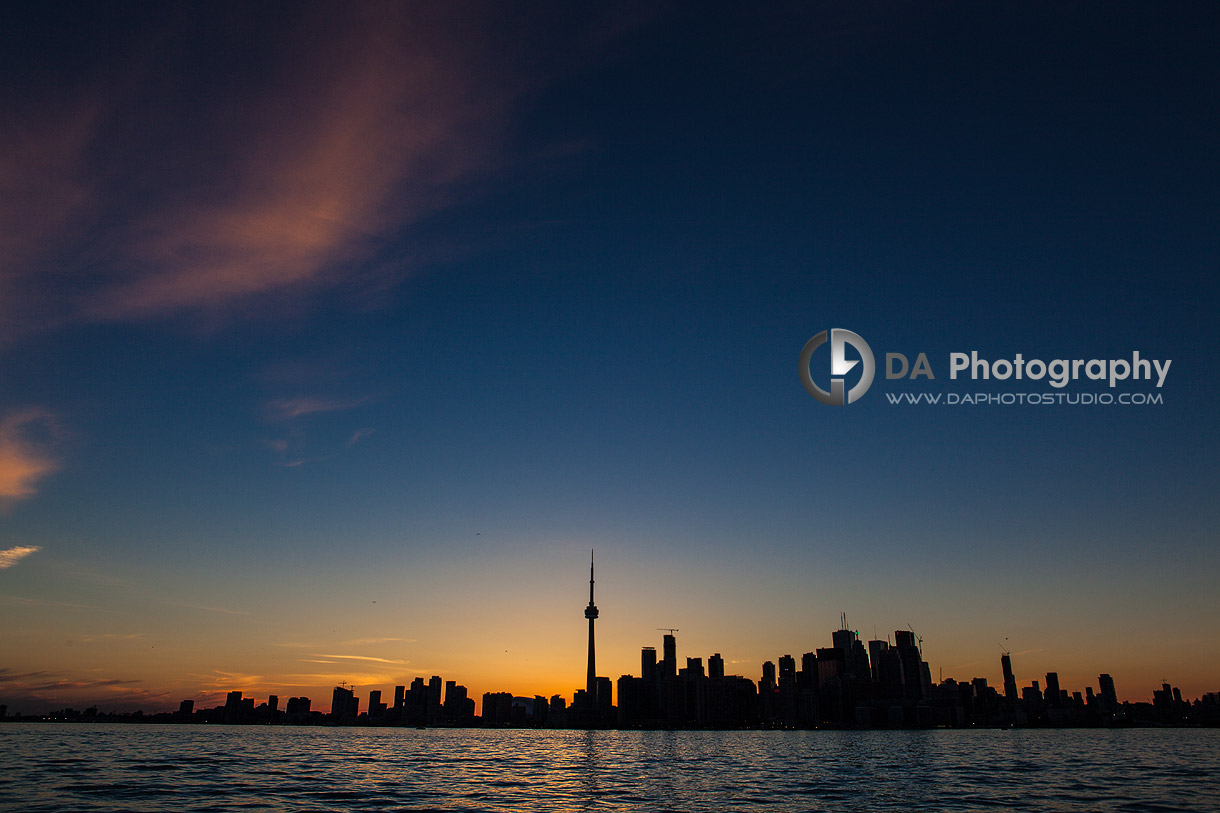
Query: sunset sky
point(334, 336)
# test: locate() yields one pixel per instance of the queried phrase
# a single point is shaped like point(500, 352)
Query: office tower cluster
point(884, 685)
point(431, 703)
point(666, 696)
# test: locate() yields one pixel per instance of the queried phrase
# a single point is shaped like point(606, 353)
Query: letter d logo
point(839, 366)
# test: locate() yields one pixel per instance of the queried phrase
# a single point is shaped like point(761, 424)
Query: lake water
point(50, 767)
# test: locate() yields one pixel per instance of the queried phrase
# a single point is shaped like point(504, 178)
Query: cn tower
point(591, 614)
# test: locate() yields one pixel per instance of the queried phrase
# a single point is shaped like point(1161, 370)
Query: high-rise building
point(1010, 681)
point(1052, 694)
point(808, 676)
point(875, 648)
point(768, 676)
point(669, 656)
point(1109, 697)
point(648, 664)
point(376, 707)
point(916, 680)
point(715, 667)
point(832, 669)
point(855, 658)
point(433, 711)
point(343, 704)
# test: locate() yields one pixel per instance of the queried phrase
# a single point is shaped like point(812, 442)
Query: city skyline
point(590, 706)
point(332, 336)
point(845, 685)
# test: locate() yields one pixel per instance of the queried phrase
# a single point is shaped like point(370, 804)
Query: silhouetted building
point(344, 706)
point(433, 711)
point(831, 673)
point(768, 693)
point(234, 710)
point(786, 692)
point(1109, 698)
point(1053, 697)
point(648, 664)
point(669, 656)
point(497, 709)
point(459, 707)
point(855, 659)
point(916, 681)
point(875, 649)
point(1010, 681)
point(376, 707)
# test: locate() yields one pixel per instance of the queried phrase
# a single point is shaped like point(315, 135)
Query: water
point(48, 767)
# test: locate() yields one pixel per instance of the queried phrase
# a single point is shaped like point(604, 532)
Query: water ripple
point(110, 768)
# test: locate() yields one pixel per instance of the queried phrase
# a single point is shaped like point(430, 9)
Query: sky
point(333, 337)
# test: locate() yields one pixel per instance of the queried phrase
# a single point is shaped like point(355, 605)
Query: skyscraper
point(648, 664)
point(1010, 681)
point(1109, 697)
point(1053, 693)
point(669, 652)
point(591, 614)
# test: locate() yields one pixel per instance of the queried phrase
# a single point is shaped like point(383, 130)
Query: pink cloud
point(360, 121)
point(364, 125)
point(25, 457)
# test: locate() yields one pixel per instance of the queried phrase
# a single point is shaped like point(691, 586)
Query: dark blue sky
point(302, 305)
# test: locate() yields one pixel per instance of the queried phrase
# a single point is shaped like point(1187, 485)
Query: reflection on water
point(214, 768)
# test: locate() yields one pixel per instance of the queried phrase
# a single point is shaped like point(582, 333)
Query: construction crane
point(918, 639)
point(670, 630)
point(1003, 648)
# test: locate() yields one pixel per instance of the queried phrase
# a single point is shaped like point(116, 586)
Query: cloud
point(9, 676)
point(108, 636)
point(209, 609)
point(79, 684)
point(25, 456)
point(365, 641)
point(287, 408)
point(131, 192)
point(352, 679)
point(44, 688)
point(12, 556)
point(357, 436)
point(23, 601)
point(220, 680)
point(361, 658)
